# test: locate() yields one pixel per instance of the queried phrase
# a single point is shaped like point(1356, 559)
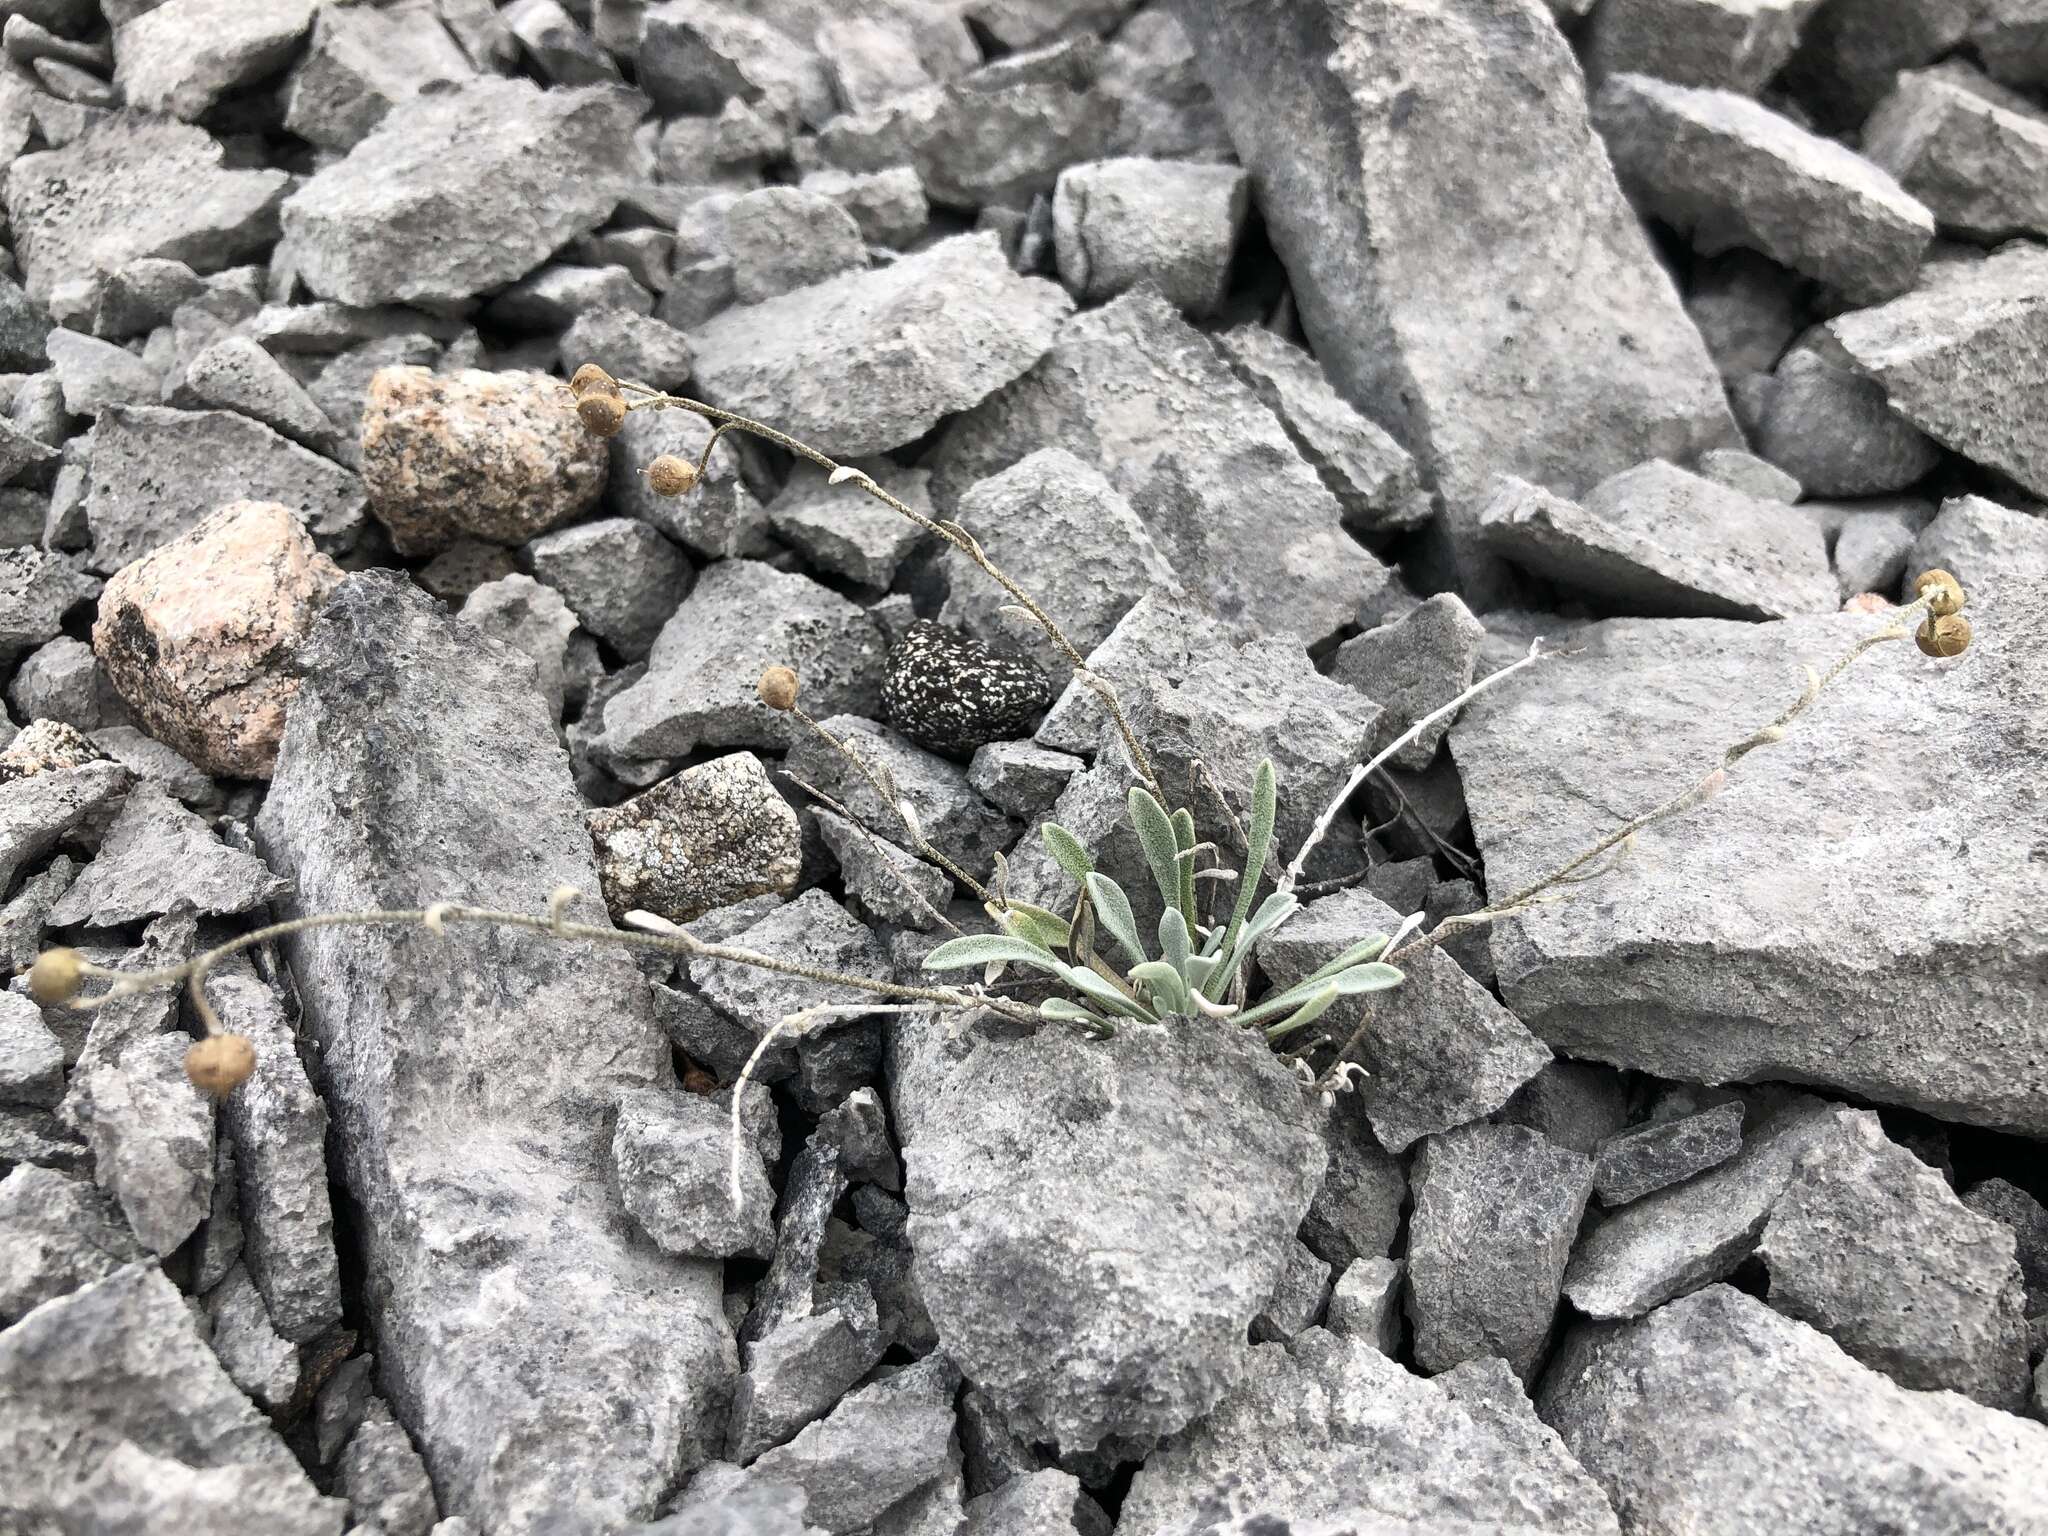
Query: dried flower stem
point(874, 842)
point(641, 397)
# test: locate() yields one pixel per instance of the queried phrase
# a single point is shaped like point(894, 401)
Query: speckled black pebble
point(950, 693)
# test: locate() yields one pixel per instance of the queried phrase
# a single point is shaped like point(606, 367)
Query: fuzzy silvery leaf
point(1066, 1011)
point(1066, 850)
point(989, 949)
point(1169, 992)
point(1155, 837)
point(1035, 925)
point(1184, 839)
point(1113, 911)
point(1095, 988)
point(1314, 1008)
point(1265, 809)
point(1174, 944)
point(1371, 947)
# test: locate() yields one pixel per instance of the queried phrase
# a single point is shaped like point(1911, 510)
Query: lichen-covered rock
point(495, 456)
point(951, 693)
point(198, 636)
point(706, 837)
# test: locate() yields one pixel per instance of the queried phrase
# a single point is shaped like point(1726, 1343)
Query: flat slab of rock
point(1243, 520)
point(1069, 1226)
point(1735, 45)
point(1948, 354)
point(868, 361)
point(459, 191)
point(1715, 1414)
point(541, 1357)
point(156, 855)
point(1730, 172)
point(1871, 1246)
point(1983, 545)
point(1974, 152)
point(38, 809)
point(1684, 960)
point(1646, 1158)
point(1657, 539)
point(1380, 137)
point(1329, 1426)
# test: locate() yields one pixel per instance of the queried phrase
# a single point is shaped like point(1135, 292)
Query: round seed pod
point(777, 688)
point(669, 475)
point(1943, 592)
point(1946, 636)
point(602, 414)
point(56, 975)
point(591, 377)
point(220, 1064)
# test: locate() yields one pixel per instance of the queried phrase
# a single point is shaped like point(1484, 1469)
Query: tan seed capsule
point(591, 377)
point(777, 688)
point(220, 1064)
point(671, 476)
point(1943, 592)
point(56, 975)
point(602, 414)
point(1945, 636)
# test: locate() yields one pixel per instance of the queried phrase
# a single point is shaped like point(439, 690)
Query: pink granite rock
point(198, 635)
point(497, 456)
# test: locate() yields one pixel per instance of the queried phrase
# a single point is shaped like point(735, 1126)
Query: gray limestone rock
point(1412, 668)
point(882, 880)
point(670, 1152)
point(157, 473)
point(952, 693)
point(953, 817)
point(385, 1481)
point(1380, 137)
point(620, 578)
point(1658, 539)
point(2028, 1218)
point(347, 1400)
point(1975, 153)
point(1497, 1208)
point(1298, 1298)
point(718, 519)
point(235, 374)
point(708, 836)
point(1439, 1050)
point(133, 186)
point(1647, 1158)
point(63, 681)
point(151, 1134)
point(1983, 545)
point(155, 856)
point(633, 346)
point(889, 206)
point(1823, 422)
point(1378, 1439)
point(362, 59)
point(1733, 45)
point(1366, 1304)
point(558, 46)
point(1727, 171)
point(1851, 51)
point(595, 1375)
point(96, 374)
point(843, 532)
point(1173, 224)
point(1715, 1414)
point(811, 930)
point(796, 1373)
point(1874, 541)
point(1356, 1214)
point(1020, 778)
point(784, 238)
point(1374, 478)
point(695, 55)
point(57, 1234)
point(458, 191)
point(1067, 1223)
point(117, 1372)
point(742, 618)
point(1869, 1245)
point(1948, 354)
point(1692, 1234)
point(37, 590)
point(250, 1350)
point(1241, 518)
point(1745, 472)
point(2011, 37)
point(1057, 526)
point(868, 361)
point(1747, 308)
point(31, 1058)
point(534, 622)
point(1811, 974)
point(180, 58)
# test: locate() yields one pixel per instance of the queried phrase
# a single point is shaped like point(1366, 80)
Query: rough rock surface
point(846, 533)
point(1975, 153)
point(1716, 1414)
point(1983, 544)
point(621, 578)
point(1734, 45)
point(1821, 420)
point(1870, 1245)
point(1242, 520)
point(39, 808)
point(1172, 224)
point(1744, 940)
point(1412, 668)
point(1329, 1426)
point(198, 636)
point(951, 693)
point(37, 590)
point(57, 1233)
point(534, 621)
point(1381, 137)
point(457, 191)
point(1099, 1309)
point(1647, 1158)
point(871, 360)
point(559, 1364)
point(670, 1152)
point(709, 836)
point(955, 819)
point(156, 855)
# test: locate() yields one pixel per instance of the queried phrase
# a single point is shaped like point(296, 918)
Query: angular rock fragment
point(548, 298)
point(1173, 224)
point(620, 577)
point(1692, 1234)
point(40, 808)
point(531, 620)
point(783, 238)
point(951, 815)
point(1717, 1414)
point(670, 1153)
point(1647, 1158)
point(882, 880)
point(943, 327)
point(1040, 1173)
point(951, 693)
point(1366, 1304)
point(695, 55)
point(58, 1233)
point(1297, 1300)
point(711, 835)
point(198, 636)
point(235, 374)
point(1874, 542)
point(796, 1374)
point(132, 186)
point(1496, 1210)
point(634, 346)
point(1728, 171)
point(813, 930)
point(385, 1481)
point(1869, 1245)
point(96, 374)
point(888, 206)
point(1747, 308)
point(1371, 132)
point(718, 519)
point(1412, 668)
point(702, 672)
point(151, 1134)
point(592, 1380)
point(2011, 37)
point(37, 589)
point(255, 1357)
point(1826, 424)
point(845, 533)
point(1732, 45)
point(1240, 518)
point(360, 61)
point(1380, 1440)
point(1975, 153)
point(155, 856)
point(1948, 355)
point(1356, 1212)
point(1020, 778)
point(458, 191)
point(1851, 51)
point(2028, 1218)
point(1439, 1050)
point(1984, 545)
point(182, 57)
point(1813, 975)
point(158, 473)
point(31, 1059)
